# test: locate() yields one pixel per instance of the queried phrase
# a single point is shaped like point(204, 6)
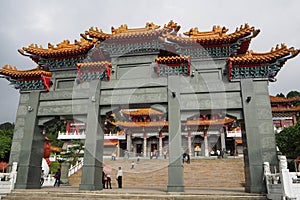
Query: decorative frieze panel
point(65, 63)
point(205, 53)
point(93, 71)
point(132, 48)
point(242, 72)
point(29, 85)
point(181, 69)
point(173, 65)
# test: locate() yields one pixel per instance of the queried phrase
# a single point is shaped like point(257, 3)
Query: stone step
point(227, 173)
point(67, 193)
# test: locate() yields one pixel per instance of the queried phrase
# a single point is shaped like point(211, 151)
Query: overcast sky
point(40, 22)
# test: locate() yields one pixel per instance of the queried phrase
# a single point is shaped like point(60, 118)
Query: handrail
point(75, 168)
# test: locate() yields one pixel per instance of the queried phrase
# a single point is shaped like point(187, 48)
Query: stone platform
point(72, 193)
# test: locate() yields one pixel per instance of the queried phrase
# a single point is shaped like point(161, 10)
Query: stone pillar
point(118, 149)
point(91, 178)
point(129, 142)
point(223, 139)
point(31, 146)
point(282, 122)
point(206, 150)
point(160, 146)
point(189, 144)
point(257, 133)
point(145, 146)
point(294, 120)
point(175, 168)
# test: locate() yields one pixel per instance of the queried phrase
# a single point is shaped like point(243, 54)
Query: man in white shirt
point(119, 177)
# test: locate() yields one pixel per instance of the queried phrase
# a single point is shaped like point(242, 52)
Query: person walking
point(132, 165)
point(119, 177)
point(57, 178)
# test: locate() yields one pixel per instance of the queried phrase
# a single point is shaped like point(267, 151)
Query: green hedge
point(54, 166)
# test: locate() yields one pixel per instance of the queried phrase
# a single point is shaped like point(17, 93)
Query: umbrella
point(107, 169)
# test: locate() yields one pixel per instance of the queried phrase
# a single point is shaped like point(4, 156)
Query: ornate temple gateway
point(198, 83)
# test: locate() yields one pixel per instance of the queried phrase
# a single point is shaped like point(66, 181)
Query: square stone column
point(31, 147)
point(175, 168)
point(93, 153)
point(257, 133)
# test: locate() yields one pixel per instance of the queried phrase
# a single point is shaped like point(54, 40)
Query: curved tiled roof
point(274, 99)
point(13, 72)
point(123, 32)
point(290, 109)
point(216, 36)
point(142, 124)
point(165, 123)
point(208, 122)
point(252, 57)
point(142, 112)
point(62, 49)
point(172, 59)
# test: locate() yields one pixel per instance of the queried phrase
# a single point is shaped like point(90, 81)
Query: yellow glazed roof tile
point(13, 72)
point(273, 55)
point(64, 48)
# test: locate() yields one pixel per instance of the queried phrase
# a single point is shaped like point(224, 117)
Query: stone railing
point(49, 180)
point(8, 180)
point(71, 135)
point(75, 168)
point(284, 185)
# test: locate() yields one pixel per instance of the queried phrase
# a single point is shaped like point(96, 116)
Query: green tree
point(288, 141)
point(280, 95)
point(52, 133)
point(292, 94)
point(6, 135)
point(73, 152)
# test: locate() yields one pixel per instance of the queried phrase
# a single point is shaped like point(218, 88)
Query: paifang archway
point(202, 72)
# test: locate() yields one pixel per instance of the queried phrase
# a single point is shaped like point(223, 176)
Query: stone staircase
point(220, 173)
point(207, 179)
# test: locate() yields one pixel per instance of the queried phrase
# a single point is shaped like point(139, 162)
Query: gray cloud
point(40, 22)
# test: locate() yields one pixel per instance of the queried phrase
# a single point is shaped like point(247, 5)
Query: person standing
point(132, 165)
point(57, 178)
point(108, 181)
point(119, 177)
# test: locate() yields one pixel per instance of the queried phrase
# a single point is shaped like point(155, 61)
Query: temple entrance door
point(138, 149)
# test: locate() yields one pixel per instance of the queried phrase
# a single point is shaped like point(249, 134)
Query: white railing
point(49, 180)
point(8, 180)
point(75, 168)
point(284, 185)
point(71, 135)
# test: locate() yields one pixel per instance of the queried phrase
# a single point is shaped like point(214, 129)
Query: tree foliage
point(6, 135)
point(52, 133)
point(288, 141)
point(73, 152)
point(292, 94)
point(280, 95)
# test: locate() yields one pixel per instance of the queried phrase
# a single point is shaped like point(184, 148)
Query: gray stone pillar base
point(90, 187)
point(30, 178)
point(175, 183)
point(175, 189)
point(91, 178)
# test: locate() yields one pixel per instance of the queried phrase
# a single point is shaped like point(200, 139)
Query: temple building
point(285, 112)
